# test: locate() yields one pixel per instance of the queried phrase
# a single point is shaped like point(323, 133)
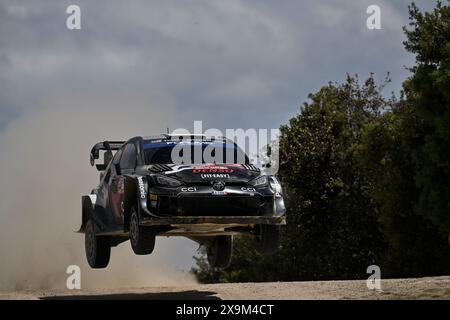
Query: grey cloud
point(231, 63)
point(214, 58)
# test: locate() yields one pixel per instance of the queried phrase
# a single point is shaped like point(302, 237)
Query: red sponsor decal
point(211, 168)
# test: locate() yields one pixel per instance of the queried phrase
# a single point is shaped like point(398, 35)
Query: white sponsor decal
point(219, 193)
point(188, 189)
point(141, 187)
point(215, 175)
point(248, 189)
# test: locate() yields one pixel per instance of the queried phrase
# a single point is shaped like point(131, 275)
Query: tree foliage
point(366, 179)
point(428, 93)
point(332, 230)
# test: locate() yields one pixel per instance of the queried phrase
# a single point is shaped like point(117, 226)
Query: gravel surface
point(421, 288)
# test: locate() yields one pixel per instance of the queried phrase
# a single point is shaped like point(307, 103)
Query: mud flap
point(87, 210)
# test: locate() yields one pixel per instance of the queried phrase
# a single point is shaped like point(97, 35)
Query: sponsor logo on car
point(248, 189)
point(211, 169)
point(141, 187)
point(219, 193)
point(219, 185)
point(188, 189)
point(215, 175)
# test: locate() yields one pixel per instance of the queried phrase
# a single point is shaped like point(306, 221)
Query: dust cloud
point(44, 169)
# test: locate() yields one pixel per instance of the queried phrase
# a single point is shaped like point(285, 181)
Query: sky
point(228, 63)
point(137, 68)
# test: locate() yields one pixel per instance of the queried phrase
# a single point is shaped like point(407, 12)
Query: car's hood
point(213, 172)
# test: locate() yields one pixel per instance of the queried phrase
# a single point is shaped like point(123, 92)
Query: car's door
point(126, 165)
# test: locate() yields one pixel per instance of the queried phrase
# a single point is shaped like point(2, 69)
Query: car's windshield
point(192, 152)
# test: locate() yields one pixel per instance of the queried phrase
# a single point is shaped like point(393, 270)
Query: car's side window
point(131, 161)
point(117, 157)
point(128, 160)
point(115, 161)
point(123, 160)
point(107, 175)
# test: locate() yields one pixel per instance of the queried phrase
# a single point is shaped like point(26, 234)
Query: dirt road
point(422, 288)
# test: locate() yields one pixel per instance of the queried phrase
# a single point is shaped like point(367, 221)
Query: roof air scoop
point(250, 167)
point(159, 168)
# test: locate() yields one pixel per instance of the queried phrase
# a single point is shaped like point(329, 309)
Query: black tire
point(268, 239)
point(220, 252)
point(97, 248)
point(142, 239)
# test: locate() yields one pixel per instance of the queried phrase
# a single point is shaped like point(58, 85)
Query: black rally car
point(143, 194)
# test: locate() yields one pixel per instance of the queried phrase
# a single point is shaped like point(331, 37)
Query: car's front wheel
point(142, 238)
point(220, 251)
point(98, 248)
point(268, 238)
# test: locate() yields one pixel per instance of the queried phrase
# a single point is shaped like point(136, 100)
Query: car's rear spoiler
point(108, 146)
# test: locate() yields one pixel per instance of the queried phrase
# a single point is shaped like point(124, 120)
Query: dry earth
point(420, 288)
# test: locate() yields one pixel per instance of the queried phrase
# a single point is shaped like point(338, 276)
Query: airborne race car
point(142, 194)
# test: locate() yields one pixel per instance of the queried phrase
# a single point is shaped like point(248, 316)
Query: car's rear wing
point(107, 146)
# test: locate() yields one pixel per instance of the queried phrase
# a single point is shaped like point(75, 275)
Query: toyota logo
point(219, 185)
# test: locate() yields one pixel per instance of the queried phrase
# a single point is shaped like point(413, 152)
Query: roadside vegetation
point(366, 178)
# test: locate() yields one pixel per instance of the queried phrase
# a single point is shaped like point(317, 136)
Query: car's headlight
point(259, 181)
point(276, 186)
point(168, 182)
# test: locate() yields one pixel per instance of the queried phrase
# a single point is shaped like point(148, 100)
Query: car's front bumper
point(202, 202)
point(209, 226)
point(216, 220)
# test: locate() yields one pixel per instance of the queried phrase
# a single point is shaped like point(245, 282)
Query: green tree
point(428, 92)
point(366, 179)
point(332, 223)
point(332, 230)
point(414, 245)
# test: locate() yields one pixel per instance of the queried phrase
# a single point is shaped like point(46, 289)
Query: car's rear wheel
point(220, 252)
point(268, 238)
point(98, 248)
point(142, 238)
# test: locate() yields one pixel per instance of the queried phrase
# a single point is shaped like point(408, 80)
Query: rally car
point(143, 193)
